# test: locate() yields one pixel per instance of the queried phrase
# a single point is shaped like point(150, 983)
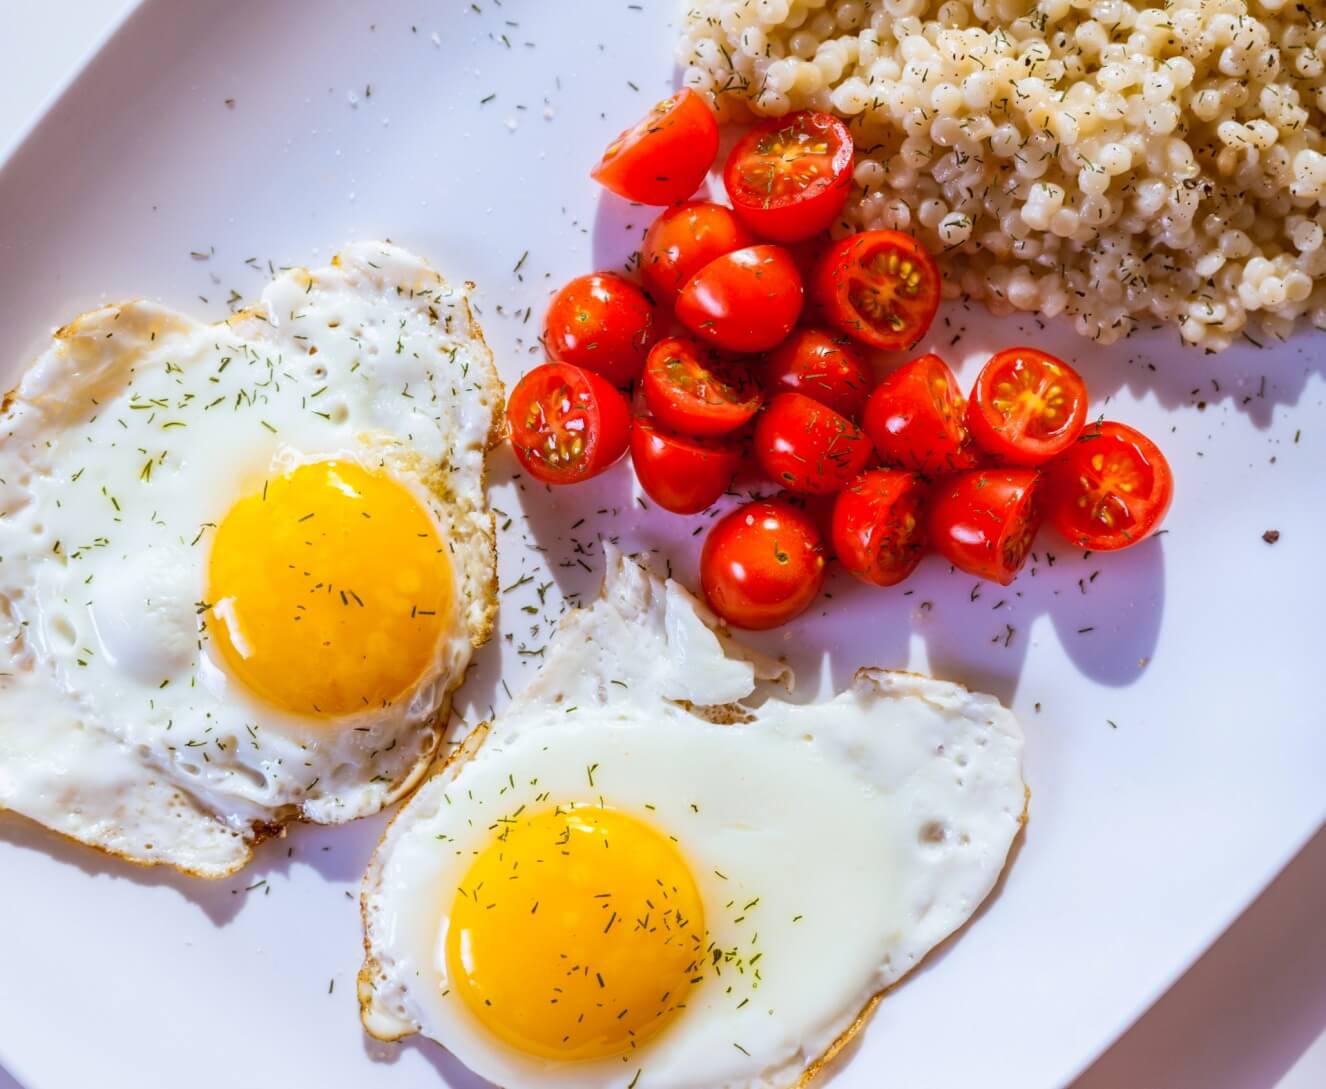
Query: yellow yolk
point(576, 934)
point(329, 589)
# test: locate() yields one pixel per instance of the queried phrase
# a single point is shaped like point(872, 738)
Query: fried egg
point(650, 872)
point(245, 564)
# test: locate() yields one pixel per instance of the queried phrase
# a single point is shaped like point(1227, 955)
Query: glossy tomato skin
point(682, 240)
point(824, 366)
point(879, 287)
point(1111, 489)
point(788, 177)
point(1026, 407)
point(983, 521)
point(762, 564)
point(879, 525)
point(663, 158)
point(567, 423)
point(678, 472)
point(808, 448)
point(691, 390)
point(915, 418)
point(601, 322)
point(745, 301)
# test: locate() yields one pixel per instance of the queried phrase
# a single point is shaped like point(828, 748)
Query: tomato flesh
point(690, 390)
point(983, 521)
point(879, 525)
point(1111, 489)
point(567, 423)
point(915, 418)
point(601, 322)
point(745, 301)
point(880, 287)
point(1026, 407)
point(663, 158)
point(788, 177)
point(682, 240)
point(762, 564)
point(681, 473)
point(807, 447)
point(822, 366)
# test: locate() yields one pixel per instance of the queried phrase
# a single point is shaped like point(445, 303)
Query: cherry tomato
point(880, 287)
point(1026, 406)
point(1111, 489)
point(788, 177)
point(983, 521)
point(602, 322)
point(682, 240)
point(567, 424)
point(915, 418)
point(692, 391)
point(745, 301)
point(680, 473)
point(664, 157)
point(879, 525)
point(807, 447)
point(822, 366)
point(762, 564)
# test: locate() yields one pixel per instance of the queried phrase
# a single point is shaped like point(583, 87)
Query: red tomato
point(823, 367)
point(880, 287)
point(879, 526)
point(692, 391)
point(983, 521)
point(567, 424)
point(744, 301)
point(682, 240)
point(679, 473)
point(1111, 489)
point(807, 447)
point(915, 418)
point(664, 157)
point(762, 564)
point(601, 322)
point(1026, 406)
point(788, 177)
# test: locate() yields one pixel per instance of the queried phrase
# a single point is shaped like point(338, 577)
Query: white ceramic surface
point(1146, 838)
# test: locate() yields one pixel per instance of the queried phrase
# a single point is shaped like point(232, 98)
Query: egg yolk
point(576, 934)
point(328, 590)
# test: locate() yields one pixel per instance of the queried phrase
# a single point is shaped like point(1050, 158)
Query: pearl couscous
point(1120, 162)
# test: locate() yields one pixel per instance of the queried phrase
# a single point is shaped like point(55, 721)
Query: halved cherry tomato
point(1111, 489)
point(788, 177)
point(879, 525)
point(682, 240)
point(664, 157)
point(807, 447)
point(983, 521)
point(880, 287)
point(915, 418)
point(762, 564)
point(567, 424)
point(745, 301)
point(1026, 406)
point(680, 473)
point(602, 322)
point(694, 392)
point(822, 366)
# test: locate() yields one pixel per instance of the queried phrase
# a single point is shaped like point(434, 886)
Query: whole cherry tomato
point(1111, 489)
point(880, 287)
point(807, 447)
point(664, 157)
point(915, 418)
point(681, 473)
point(601, 322)
point(682, 240)
point(879, 525)
point(690, 390)
point(1026, 407)
point(744, 301)
point(762, 564)
point(567, 424)
point(822, 366)
point(984, 520)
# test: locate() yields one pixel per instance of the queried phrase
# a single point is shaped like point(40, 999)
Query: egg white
point(840, 840)
point(120, 450)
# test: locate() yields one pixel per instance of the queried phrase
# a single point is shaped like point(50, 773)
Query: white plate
point(1175, 749)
